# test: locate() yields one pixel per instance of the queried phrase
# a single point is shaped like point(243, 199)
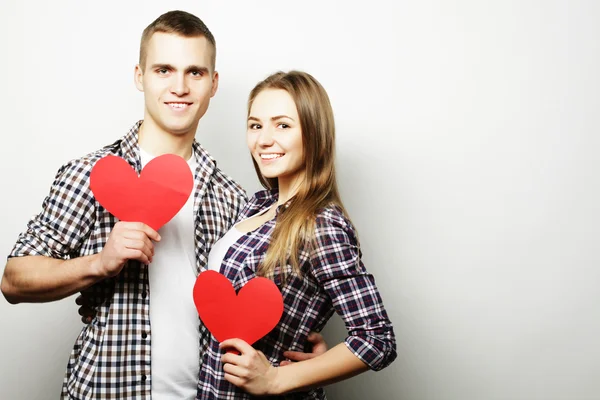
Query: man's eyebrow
point(187, 69)
point(197, 68)
point(162, 66)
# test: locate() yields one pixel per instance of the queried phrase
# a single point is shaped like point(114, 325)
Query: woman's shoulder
point(257, 202)
point(332, 220)
point(263, 196)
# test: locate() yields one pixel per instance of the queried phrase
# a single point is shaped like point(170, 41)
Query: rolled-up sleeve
point(336, 264)
point(66, 217)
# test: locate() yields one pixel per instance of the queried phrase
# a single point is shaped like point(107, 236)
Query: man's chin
point(179, 129)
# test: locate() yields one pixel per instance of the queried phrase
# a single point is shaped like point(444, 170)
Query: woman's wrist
point(277, 380)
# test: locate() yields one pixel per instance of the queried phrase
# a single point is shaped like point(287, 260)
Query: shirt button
point(143, 378)
point(144, 335)
point(144, 294)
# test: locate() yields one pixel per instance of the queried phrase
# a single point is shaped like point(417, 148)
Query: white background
point(467, 154)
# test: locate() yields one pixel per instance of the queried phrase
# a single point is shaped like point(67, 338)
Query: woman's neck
point(288, 187)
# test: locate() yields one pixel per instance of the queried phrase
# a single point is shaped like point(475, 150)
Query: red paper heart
point(249, 315)
point(153, 198)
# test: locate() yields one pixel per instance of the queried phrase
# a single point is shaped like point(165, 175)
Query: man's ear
point(215, 83)
point(138, 78)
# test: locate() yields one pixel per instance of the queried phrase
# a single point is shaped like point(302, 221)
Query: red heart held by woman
point(154, 198)
point(249, 315)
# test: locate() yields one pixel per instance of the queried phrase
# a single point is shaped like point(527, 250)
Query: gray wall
point(467, 141)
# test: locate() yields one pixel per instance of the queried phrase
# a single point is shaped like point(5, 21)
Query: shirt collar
point(130, 151)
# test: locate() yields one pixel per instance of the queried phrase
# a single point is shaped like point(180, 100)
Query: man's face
point(178, 81)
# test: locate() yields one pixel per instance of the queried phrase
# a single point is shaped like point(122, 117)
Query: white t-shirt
point(174, 320)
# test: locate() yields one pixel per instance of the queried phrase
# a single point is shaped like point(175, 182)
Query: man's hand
point(86, 311)
point(319, 347)
point(127, 241)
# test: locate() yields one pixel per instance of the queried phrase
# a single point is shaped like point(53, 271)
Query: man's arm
point(36, 279)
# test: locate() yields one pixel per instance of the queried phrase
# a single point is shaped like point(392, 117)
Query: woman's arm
point(252, 371)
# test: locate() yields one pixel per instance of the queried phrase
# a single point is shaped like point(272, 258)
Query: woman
point(298, 234)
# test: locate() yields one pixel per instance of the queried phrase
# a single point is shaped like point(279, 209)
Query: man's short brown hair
point(180, 23)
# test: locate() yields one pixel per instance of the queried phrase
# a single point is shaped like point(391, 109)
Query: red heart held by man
point(154, 198)
point(249, 315)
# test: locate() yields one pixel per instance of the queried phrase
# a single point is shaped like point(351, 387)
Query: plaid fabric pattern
point(334, 280)
point(111, 356)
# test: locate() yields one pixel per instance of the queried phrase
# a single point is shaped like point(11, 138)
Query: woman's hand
point(250, 370)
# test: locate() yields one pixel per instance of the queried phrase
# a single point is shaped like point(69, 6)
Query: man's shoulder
point(84, 164)
point(219, 180)
point(228, 184)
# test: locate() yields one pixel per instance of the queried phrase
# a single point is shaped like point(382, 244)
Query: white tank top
point(220, 247)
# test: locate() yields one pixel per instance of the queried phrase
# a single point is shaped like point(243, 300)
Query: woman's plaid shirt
point(333, 279)
point(111, 356)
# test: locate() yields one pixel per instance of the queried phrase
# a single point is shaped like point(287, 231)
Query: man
point(131, 350)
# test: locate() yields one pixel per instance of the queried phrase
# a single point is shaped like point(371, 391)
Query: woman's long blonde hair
point(294, 230)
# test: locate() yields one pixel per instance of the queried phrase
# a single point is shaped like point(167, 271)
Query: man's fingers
point(318, 341)
point(138, 226)
point(139, 236)
point(298, 355)
point(86, 312)
point(151, 233)
point(284, 363)
point(136, 255)
point(141, 246)
point(315, 337)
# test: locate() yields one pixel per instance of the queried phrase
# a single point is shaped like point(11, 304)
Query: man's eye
point(196, 73)
point(162, 71)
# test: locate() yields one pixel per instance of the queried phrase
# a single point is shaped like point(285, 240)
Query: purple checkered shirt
point(333, 279)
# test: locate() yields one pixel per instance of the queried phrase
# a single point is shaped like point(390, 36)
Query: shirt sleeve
point(66, 218)
point(337, 266)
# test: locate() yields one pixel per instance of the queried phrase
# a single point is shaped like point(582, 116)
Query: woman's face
point(274, 135)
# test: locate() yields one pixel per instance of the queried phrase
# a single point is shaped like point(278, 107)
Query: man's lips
point(178, 105)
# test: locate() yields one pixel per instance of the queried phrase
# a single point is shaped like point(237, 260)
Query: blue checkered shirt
point(333, 279)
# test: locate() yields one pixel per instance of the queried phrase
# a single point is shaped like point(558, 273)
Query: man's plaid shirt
point(333, 279)
point(111, 356)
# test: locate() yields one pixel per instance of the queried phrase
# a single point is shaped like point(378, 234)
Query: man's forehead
point(168, 43)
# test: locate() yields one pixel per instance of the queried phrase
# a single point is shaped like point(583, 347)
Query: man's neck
point(157, 142)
